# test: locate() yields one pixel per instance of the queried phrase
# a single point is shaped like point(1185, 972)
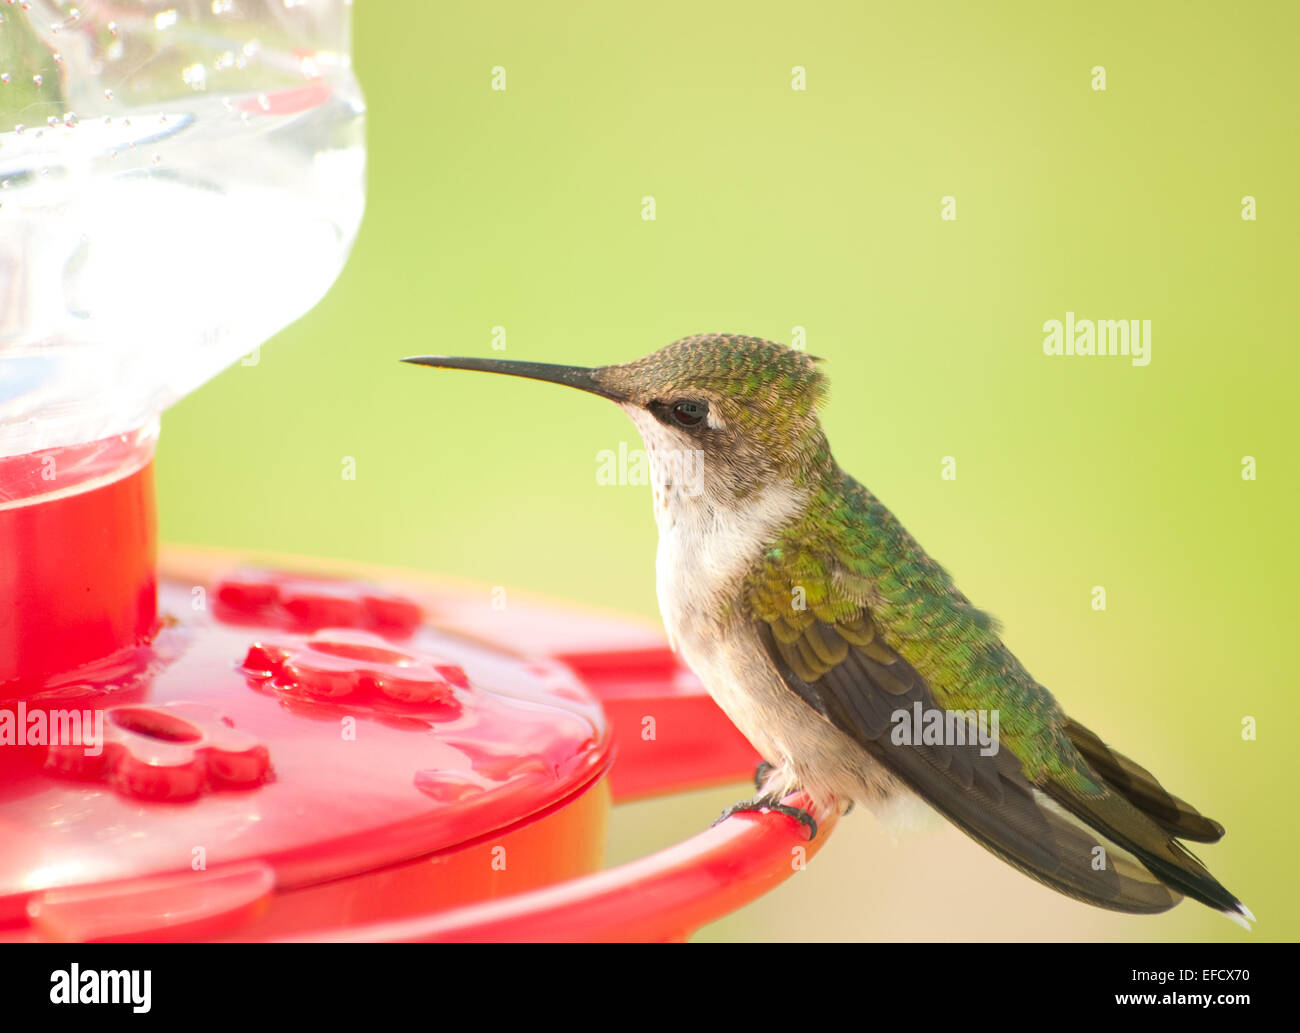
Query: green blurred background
point(820, 209)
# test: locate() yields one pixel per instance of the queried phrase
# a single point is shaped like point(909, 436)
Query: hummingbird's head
point(721, 415)
point(742, 409)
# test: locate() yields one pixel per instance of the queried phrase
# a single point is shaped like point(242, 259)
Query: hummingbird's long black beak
point(580, 377)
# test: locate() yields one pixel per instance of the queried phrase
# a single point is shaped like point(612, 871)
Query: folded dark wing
point(847, 673)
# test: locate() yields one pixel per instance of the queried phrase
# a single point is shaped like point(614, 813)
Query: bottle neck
point(78, 548)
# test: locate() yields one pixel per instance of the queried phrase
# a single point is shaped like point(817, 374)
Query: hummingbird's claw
point(761, 773)
point(799, 815)
point(735, 808)
point(768, 804)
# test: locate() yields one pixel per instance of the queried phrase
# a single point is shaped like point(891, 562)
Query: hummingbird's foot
point(767, 803)
point(761, 773)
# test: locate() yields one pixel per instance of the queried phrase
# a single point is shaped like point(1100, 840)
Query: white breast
point(706, 550)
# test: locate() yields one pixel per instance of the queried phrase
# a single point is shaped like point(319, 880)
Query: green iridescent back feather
point(848, 553)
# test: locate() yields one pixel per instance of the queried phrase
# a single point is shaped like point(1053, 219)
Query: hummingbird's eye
point(689, 414)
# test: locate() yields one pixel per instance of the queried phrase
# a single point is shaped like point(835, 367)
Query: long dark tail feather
point(1138, 814)
point(1014, 821)
point(1137, 785)
point(1123, 824)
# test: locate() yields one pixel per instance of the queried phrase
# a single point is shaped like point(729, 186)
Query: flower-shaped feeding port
point(339, 664)
point(306, 604)
point(173, 752)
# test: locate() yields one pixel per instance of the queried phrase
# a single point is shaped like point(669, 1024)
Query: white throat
point(707, 543)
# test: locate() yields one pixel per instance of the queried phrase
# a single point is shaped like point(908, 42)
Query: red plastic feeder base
point(276, 753)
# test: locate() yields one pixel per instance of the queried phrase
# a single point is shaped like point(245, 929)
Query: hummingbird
point(846, 655)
